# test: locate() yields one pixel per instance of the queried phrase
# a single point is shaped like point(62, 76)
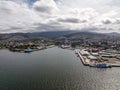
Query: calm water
point(53, 69)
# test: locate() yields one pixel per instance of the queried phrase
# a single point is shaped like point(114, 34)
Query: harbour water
point(53, 69)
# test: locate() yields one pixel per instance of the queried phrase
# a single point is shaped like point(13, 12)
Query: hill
point(35, 35)
point(90, 36)
point(58, 35)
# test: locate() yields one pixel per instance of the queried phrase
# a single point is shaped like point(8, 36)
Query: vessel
point(65, 46)
point(100, 65)
point(28, 50)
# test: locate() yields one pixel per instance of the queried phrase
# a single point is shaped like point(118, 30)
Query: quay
point(83, 59)
point(115, 65)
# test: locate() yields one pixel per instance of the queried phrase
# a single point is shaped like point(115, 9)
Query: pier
point(115, 65)
point(84, 60)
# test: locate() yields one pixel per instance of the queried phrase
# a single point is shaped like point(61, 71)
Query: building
point(91, 57)
point(84, 53)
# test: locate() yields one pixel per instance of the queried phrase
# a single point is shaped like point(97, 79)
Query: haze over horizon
point(59, 15)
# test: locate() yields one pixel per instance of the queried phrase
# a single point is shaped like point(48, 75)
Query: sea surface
point(53, 69)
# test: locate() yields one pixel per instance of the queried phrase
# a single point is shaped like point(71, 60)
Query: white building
point(92, 57)
point(84, 53)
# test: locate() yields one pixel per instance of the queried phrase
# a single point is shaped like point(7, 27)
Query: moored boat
point(65, 46)
point(100, 65)
point(28, 50)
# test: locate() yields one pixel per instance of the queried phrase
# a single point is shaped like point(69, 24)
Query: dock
point(83, 59)
point(115, 65)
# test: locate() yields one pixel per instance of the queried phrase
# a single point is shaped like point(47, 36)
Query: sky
point(58, 15)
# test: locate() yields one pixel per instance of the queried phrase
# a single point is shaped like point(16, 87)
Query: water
point(53, 69)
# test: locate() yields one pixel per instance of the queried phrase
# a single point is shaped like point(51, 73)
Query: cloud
point(16, 15)
point(117, 21)
point(106, 22)
point(45, 6)
point(71, 20)
point(47, 15)
point(115, 2)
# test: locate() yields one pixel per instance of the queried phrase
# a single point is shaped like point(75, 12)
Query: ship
point(65, 46)
point(100, 65)
point(28, 50)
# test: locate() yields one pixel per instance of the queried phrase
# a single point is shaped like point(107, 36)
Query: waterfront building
point(84, 53)
point(91, 57)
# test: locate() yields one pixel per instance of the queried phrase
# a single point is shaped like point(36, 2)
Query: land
point(95, 48)
point(20, 42)
point(35, 41)
point(100, 48)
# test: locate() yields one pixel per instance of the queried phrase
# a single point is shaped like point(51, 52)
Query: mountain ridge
point(58, 34)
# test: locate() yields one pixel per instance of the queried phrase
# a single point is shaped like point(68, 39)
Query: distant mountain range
point(35, 35)
point(58, 35)
point(91, 36)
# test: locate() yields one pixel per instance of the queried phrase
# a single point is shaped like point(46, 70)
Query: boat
point(65, 46)
point(100, 65)
point(92, 65)
point(28, 50)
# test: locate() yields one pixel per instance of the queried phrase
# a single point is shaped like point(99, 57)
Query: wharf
point(83, 59)
point(115, 65)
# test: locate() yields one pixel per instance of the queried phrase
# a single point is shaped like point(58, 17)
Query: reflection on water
point(53, 69)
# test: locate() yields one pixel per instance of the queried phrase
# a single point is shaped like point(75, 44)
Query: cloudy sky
point(55, 15)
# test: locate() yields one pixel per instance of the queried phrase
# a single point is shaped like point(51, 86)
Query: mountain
point(90, 36)
point(59, 35)
point(35, 35)
point(114, 34)
point(13, 36)
point(50, 34)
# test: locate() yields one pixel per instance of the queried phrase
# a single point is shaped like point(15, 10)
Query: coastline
point(22, 50)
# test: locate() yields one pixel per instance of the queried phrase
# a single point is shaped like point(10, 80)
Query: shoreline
point(22, 50)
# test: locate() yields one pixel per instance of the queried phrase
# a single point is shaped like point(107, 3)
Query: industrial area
point(99, 59)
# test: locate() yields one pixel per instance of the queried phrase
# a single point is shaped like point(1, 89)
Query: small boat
point(65, 46)
point(92, 65)
point(28, 50)
point(100, 65)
